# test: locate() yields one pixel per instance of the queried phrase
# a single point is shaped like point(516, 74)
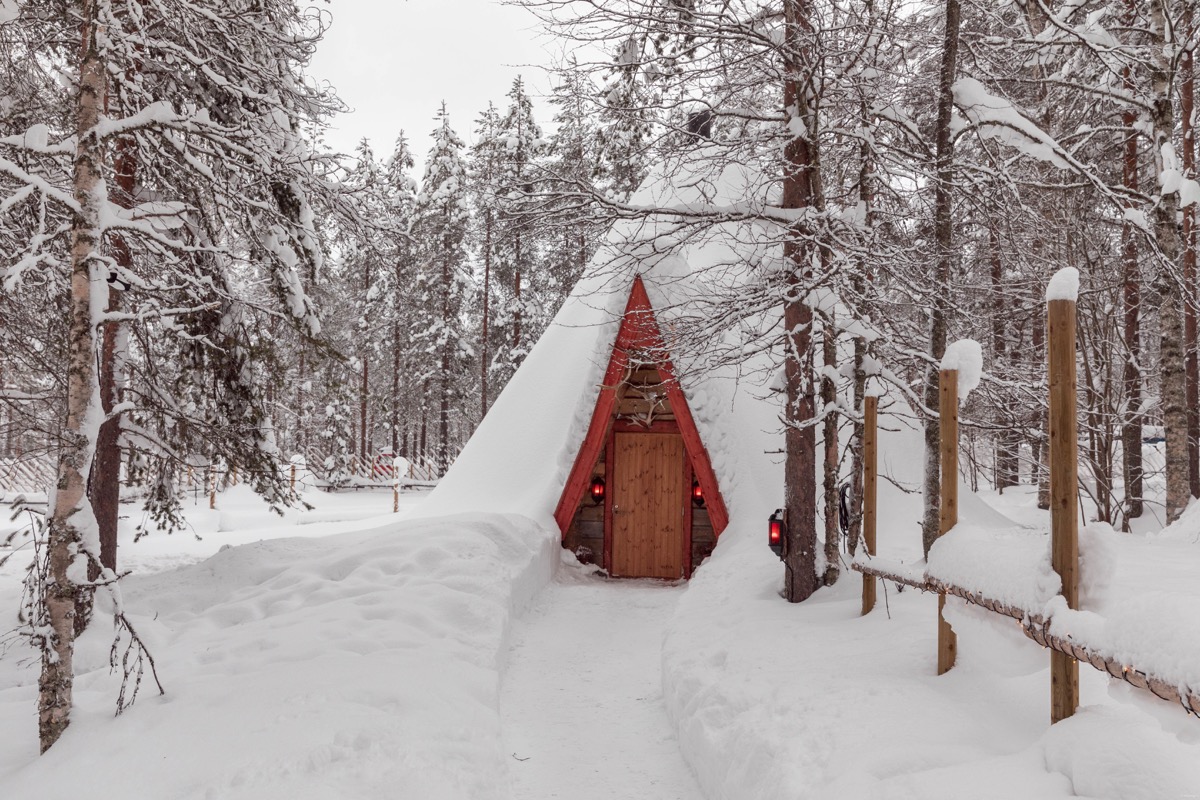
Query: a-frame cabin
point(641, 499)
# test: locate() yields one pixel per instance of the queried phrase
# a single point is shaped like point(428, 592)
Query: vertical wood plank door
point(647, 497)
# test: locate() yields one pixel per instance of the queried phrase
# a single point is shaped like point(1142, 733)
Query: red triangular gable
point(639, 331)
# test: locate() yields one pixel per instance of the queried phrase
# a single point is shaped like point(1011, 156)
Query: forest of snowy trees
point(188, 276)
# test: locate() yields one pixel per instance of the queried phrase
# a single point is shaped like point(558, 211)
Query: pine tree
point(445, 280)
point(398, 285)
point(487, 153)
point(519, 138)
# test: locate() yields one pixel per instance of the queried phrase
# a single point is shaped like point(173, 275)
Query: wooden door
point(648, 505)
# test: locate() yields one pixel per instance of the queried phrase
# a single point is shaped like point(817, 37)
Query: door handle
point(616, 508)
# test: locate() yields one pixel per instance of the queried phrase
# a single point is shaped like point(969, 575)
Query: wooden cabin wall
point(585, 537)
point(704, 539)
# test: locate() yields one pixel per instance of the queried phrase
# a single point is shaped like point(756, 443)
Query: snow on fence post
point(948, 513)
point(870, 449)
point(1061, 295)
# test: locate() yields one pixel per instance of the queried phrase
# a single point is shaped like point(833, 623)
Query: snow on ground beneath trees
point(363, 664)
point(815, 701)
point(1140, 602)
point(388, 661)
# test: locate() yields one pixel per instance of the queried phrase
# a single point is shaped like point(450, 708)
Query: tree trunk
point(866, 198)
point(830, 443)
point(1170, 314)
point(1131, 292)
point(104, 486)
point(1187, 104)
point(444, 406)
point(1007, 441)
point(800, 190)
point(395, 405)
point(363, 445)
point(487, 297)
point(517, 302)
point(943, 235)
point(72, 524)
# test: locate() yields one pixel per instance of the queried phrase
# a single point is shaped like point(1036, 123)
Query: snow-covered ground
point(347, 652)
point(361, 664)
point(582, 700)
point(815, 701)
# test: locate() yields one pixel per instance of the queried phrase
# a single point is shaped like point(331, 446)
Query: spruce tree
point(445, 279)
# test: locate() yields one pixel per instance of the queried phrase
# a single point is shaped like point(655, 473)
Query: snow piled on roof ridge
point(520, 456)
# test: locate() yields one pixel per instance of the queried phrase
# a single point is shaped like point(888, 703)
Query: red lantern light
point(697, 494)
point(776, 528)
point(597, 490)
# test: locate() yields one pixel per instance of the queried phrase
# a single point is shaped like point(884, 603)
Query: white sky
point(394, 61)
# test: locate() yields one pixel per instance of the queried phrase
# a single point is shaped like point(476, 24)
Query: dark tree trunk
point(395, 404)
point(943, 236)
point(487, 297)
point(830, 442)
point(800, 190)
point(104, 485)
point(1187, 105)
point(1007, 440)
point(1131, 290)
point(444, 404)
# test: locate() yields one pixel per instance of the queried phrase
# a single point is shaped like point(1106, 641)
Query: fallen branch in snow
point(1037, 628)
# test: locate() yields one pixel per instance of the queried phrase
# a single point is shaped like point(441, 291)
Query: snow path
point(582, 703)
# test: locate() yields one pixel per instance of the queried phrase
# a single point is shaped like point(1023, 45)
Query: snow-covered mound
point(813, 701)
point(359, 665)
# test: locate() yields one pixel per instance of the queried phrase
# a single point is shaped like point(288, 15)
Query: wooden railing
point(1065, 653)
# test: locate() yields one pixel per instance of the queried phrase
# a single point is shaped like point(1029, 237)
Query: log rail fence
point(1065, 654)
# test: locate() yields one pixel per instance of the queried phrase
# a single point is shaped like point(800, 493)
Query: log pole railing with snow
point(948, 510)
point(1066, 650)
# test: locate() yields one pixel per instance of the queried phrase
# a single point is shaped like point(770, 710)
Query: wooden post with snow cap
point(870, 480)
point(1061, 295)
point(961, 367)
point(948, 513)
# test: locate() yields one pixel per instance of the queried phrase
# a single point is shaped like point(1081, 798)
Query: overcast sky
point(394, 61)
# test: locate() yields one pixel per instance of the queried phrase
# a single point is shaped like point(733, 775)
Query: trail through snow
point(582, 703)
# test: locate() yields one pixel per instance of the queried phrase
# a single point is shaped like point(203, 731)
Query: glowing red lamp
point(596, 490)
point(697, 494)
point(777, 532)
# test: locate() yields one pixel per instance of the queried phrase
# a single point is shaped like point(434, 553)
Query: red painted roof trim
point(639, 330)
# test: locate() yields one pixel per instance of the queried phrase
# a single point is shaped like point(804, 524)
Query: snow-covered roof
point(520, 457)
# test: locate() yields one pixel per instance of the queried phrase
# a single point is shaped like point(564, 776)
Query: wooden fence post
point(870, 448)
point(948, 514)
point(1064, 491)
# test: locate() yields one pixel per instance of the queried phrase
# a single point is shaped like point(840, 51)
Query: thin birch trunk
point(1170, 313)
point(72, 523)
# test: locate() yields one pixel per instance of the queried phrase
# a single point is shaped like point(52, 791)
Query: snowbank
point(359, 665)
point(814, 701)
